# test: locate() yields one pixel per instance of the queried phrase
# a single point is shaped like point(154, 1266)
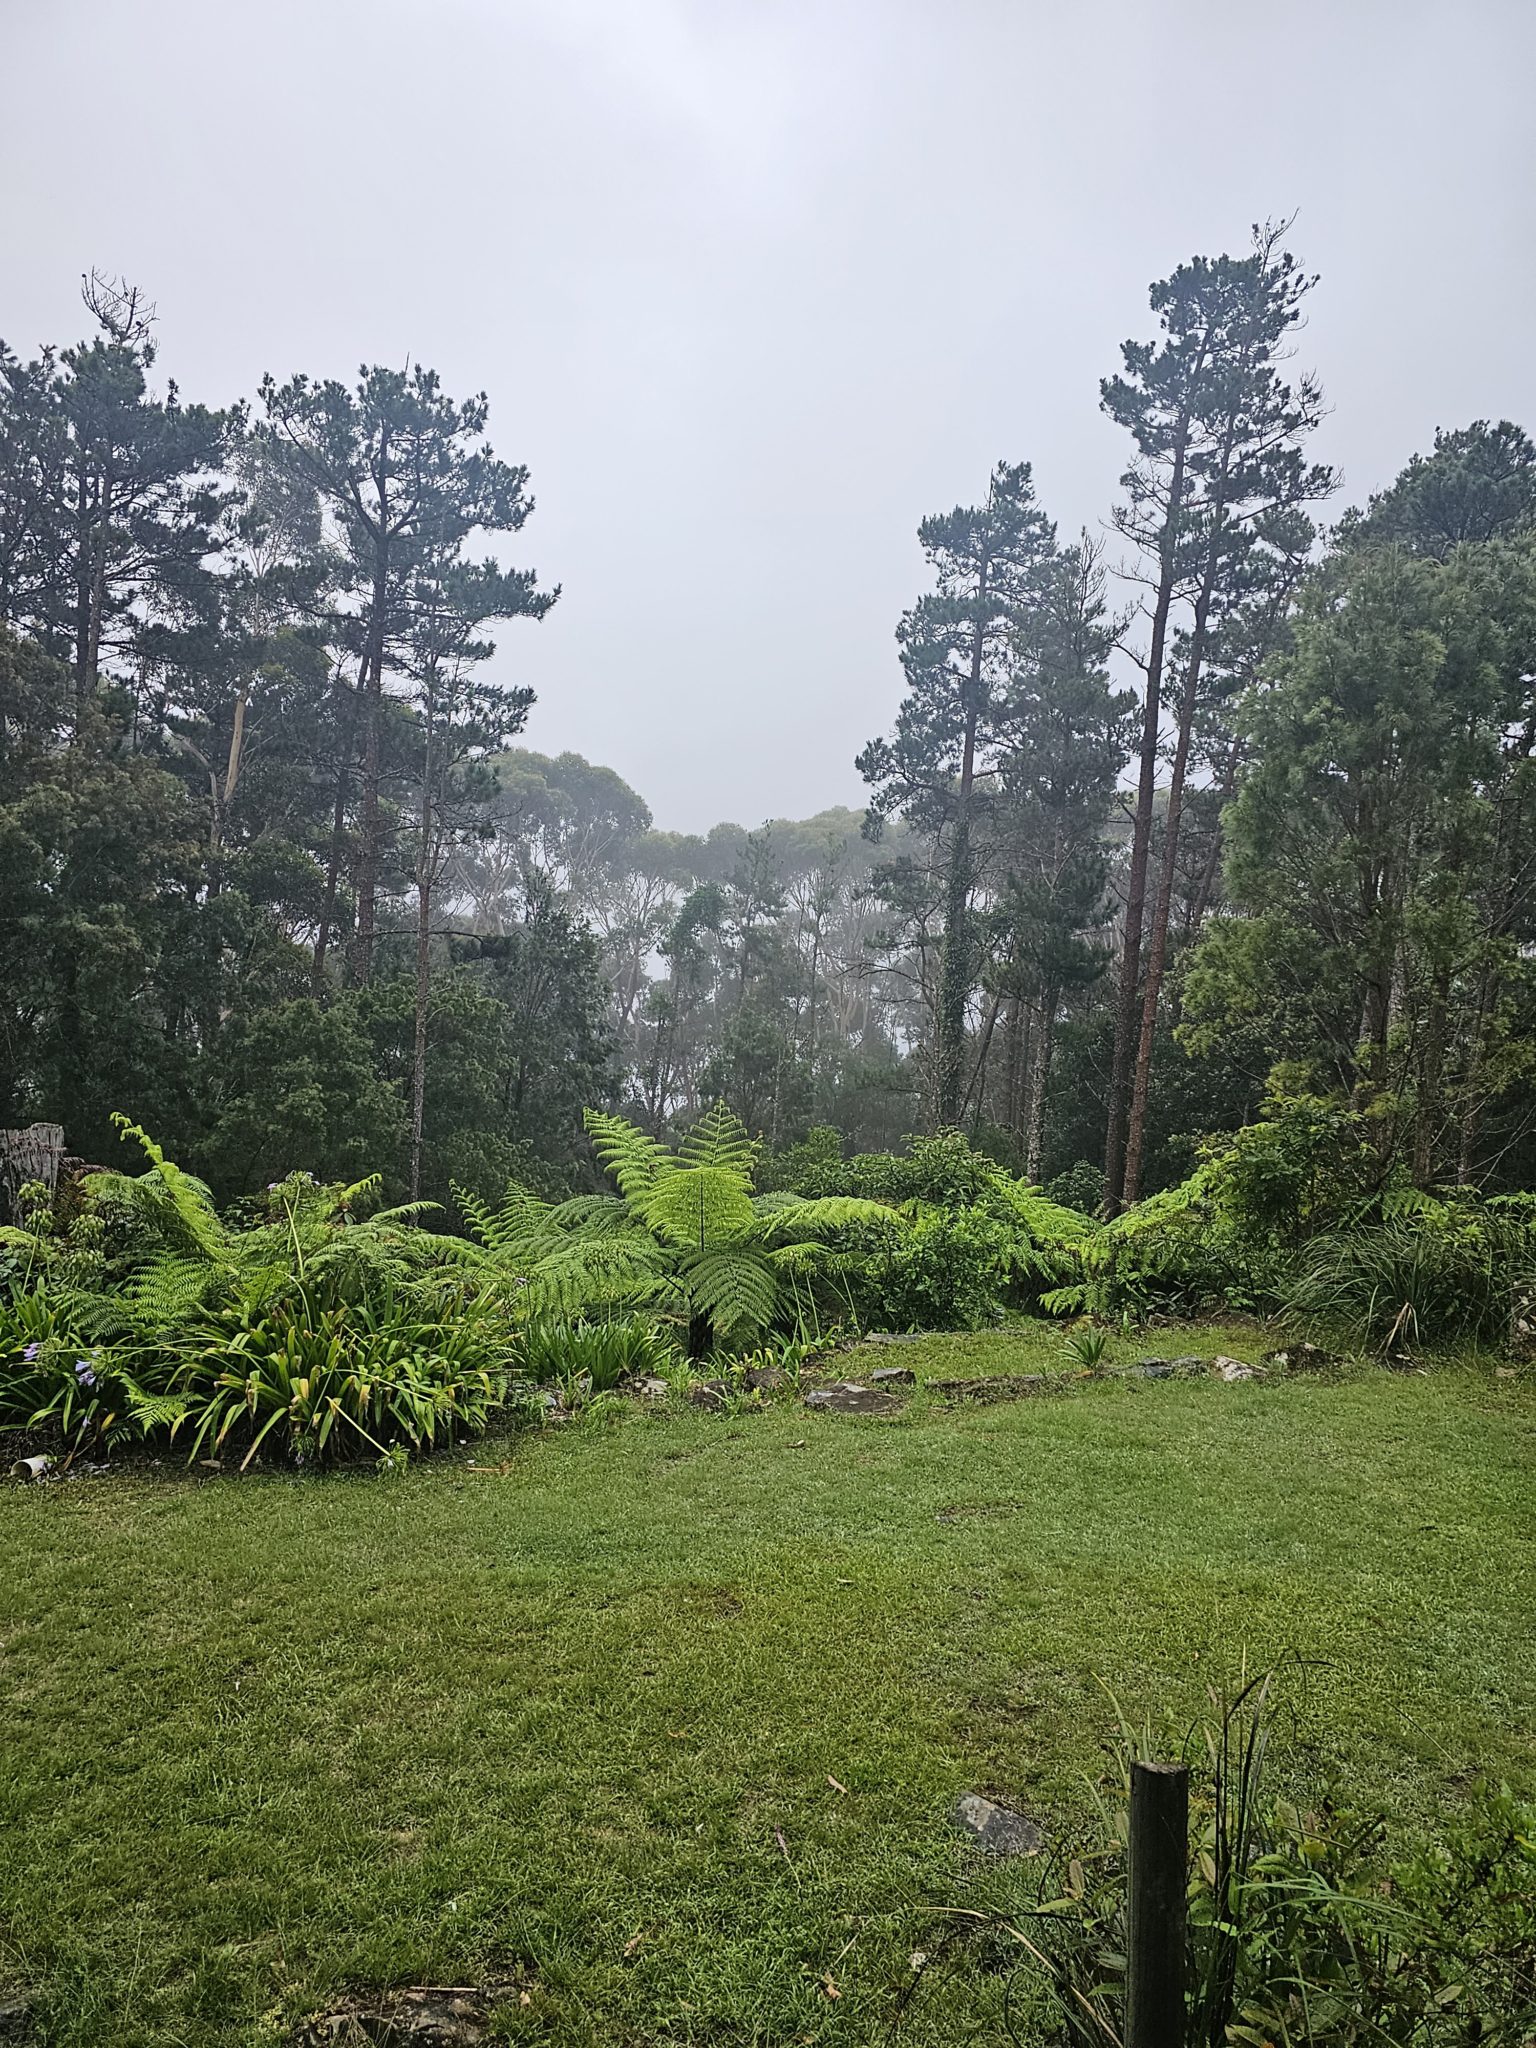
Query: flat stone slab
point(18, 2010)
point(1304, 1357)
point(1003, 1386)
point(422, 2016)
point(997, 1830)
point(890, 1337)
point(851, 1397)
point(893, 1376)
point(1185, 1367)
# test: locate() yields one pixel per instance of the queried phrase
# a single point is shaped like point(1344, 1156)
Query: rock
point(18, 2009)
point(422, 2016)
point(1185, 1366)
point(1304, 1357)
point(766, 1379)
point(893, 1376)
point(650, 1388)
point(1230, 1369)
point(849, 1397)
point(710, 1394)
point(889, 1337)
point(997, 1830)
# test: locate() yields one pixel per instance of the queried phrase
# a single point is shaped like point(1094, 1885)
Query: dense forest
point(1227, 807)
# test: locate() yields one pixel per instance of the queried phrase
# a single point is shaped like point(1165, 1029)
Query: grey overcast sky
point(755, 284)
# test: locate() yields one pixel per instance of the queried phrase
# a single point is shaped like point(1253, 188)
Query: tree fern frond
point(587, 1274)
point(176, 1204)
point(362, 1191)
point(699, 1206)
point(601, 1214)
point(519, 1216)
point(163, 1292)
point(734, 1287)
point(719, 1139)
point(403, 1212)
point(823, 1217)
point(634, 1161)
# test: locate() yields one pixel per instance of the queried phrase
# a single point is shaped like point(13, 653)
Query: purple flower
point(83, 1372)
point(30, 1352)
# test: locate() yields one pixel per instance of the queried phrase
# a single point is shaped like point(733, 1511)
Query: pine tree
point(1218, 434)
point(956, 654)
point(405, 474)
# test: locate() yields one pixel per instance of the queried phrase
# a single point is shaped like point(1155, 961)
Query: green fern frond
point(362, 1191)
point(403, 1212)
point(177, 1204)
point(824, 1216)
point(734, 1287)
point(605, 1273)
point(698, 1207)
point(148, 1412)
point(634, 1161)
point(601, 1214)
point(162, 1293)
point(719, 1139)
point(520, 1216)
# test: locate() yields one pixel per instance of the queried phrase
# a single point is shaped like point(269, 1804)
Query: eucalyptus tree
point(955, 652)
point(1219, 471)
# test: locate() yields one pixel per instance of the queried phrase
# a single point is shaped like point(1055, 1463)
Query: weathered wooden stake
point(1154, 1963)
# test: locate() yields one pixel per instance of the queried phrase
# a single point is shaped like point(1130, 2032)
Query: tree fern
point(175, 1207)
point(684, 1233)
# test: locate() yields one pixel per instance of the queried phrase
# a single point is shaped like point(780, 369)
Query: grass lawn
point(567, 1717)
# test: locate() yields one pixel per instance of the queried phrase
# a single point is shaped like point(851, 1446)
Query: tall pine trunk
point(1162, 911)
point(1126, 1010)
point(1039, 1076)
point(338, 837)
point(369, 827)
point(425, 862)
point(955, 961)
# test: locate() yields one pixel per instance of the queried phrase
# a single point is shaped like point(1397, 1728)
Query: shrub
point(979, 1243)
point(325, 1380)
point(1433, 1272)
point(949, 1272)
point(601, 1354)
point(302, 1323)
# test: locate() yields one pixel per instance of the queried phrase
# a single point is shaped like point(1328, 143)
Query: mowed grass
point(568, 1719)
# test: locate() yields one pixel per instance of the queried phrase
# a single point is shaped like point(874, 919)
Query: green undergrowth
point(565, 1710)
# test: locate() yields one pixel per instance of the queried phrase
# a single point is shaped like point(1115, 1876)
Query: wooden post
point(1154, 1962)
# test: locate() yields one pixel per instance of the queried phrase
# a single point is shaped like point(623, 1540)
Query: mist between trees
point(276, 879)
